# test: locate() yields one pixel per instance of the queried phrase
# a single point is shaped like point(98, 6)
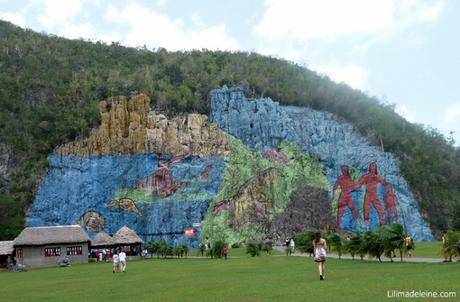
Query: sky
point(405, 52)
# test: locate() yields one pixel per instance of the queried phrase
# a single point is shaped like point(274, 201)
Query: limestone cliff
point(262, 124)
point(129, 127)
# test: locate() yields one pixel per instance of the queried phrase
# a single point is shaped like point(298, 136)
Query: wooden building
point(46, 246)
point(127, 240)
point(6, 253)
point(102, 240)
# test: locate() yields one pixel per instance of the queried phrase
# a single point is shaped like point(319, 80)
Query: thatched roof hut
point(102, 239)
point(126, 236)
point(51, 235)
point(6, 248)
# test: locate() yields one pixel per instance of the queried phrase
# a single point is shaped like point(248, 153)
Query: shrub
point(304, 241)
point(266, 247)
point(218, 249)
point(252, 249)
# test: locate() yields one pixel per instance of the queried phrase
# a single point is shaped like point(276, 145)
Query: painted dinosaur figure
point(125, 204)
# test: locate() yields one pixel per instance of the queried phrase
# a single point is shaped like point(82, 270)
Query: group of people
point(119, 261)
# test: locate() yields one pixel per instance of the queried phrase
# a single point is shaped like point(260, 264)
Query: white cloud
point(310, 19)
point(404, 111)
point(58, 12)
point(15, 18)
point(302, 20)
point(148, 27)
point(353, 75)
point(452, 114)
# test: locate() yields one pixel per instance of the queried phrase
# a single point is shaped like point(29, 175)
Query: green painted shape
point(244, 164)
point(138, 195)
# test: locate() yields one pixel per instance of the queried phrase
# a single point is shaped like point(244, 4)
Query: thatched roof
point(6, 247)
point(102, 239)
point(126, 236)
point(51, 235)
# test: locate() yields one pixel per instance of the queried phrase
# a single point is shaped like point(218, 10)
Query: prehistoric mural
point(254, 170)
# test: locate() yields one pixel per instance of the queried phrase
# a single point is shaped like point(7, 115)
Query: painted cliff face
point(139, 169)
point(368, 202)
point(264, 124)
point(262, 171)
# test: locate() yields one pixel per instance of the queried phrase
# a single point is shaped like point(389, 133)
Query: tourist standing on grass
point(225, 251)
point(292, 246)
point(122, 257)
point(319, 247)
point(115, 262)
point(409, 245)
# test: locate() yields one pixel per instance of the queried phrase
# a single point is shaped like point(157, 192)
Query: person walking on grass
point(122, 257)
point(319, 248)
point(116, 263)
point(225, 251)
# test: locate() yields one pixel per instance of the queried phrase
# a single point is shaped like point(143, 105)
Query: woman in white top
point(319, 247)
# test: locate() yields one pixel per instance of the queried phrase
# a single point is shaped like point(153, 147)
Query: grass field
point(267, 278)
point(428, 249)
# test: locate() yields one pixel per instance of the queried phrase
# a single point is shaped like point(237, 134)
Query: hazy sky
point(404, 52)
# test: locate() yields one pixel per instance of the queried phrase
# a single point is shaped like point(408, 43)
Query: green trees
point(50, 87)
point(335, 242)
point(354, 246)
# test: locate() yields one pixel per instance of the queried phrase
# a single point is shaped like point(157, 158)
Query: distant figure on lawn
point(122, 257)
point(319, 248)
point(291, 246)
point(225, 251)
point(409, 245)
point(116, 263)
point(288, 250)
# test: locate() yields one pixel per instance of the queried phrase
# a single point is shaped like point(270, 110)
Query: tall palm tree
point(393, 238)
point(353, 246)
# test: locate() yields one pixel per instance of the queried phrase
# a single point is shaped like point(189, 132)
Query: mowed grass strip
point(267, 278)
point(428, 249)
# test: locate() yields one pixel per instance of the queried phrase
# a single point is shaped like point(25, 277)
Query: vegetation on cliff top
point(50, 88)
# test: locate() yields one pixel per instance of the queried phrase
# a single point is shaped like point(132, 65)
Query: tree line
point(50, 88)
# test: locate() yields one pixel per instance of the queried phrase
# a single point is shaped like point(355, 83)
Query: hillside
point(50, 89)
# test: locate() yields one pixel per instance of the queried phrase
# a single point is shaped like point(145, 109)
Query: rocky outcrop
point(263, 124)
point(129, 127)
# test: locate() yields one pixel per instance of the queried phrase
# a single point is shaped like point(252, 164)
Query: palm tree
point(393, 238)
point(450, 245)
point(373, 243)
point(354, 244)
point(335, 242)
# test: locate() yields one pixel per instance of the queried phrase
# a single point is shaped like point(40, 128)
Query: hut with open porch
point(127, 240)
point(102, 243)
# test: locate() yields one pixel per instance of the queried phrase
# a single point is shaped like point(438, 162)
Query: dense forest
point(50, 88)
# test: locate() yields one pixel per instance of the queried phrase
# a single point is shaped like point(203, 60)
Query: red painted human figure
point(390, 203)
point(371, 180)
point(347, 184)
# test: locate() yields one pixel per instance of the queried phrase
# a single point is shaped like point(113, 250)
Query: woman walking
point(319, 247)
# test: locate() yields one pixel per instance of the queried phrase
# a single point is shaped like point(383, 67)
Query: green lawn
point(267, 278)
point(428, 249)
